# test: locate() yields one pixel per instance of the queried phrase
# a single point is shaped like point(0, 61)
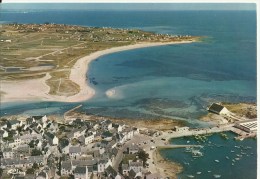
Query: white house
point(89, 138)
point(103, 164)
point(181, 129)
point(136, 166)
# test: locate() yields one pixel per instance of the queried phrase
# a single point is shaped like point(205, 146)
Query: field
point(31, 51)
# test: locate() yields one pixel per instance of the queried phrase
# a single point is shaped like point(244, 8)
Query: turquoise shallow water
point(216, 148)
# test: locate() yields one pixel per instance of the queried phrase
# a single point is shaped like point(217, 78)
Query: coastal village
point(37, 147)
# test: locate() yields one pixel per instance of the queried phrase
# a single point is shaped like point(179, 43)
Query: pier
point(71, 110)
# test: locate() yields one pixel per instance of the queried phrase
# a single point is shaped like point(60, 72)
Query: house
point(125, 169)
point(181, 129)
point(136, 166)
point(74, 151)
point(52, 139)
point(107, 136)
point(218, 109)
point(89, 138)
point(103, 164)
point(3, 134)
point(118, 127)
point(8, 153)
point(110, 172)
point(42, 175)
point(13, 124)
point(29, 121)
point(66, 168)
point(132, 149)
point(81, 172)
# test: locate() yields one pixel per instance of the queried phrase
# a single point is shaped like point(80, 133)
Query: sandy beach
point(37, 89)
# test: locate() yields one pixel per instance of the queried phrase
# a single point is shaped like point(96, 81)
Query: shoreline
point(37, 89)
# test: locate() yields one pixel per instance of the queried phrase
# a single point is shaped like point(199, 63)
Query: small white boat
point(198, 173)
point(188, 141)
point(232, 163)
point(190, 176)
point(209, 171)
point(237, 158)
point(227, 157)
point(232, 151)
point(217, 176)
point(216, 161)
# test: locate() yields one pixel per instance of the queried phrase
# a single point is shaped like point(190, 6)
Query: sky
point(130, 6)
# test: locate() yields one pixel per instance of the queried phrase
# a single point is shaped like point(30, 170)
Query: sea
point(171, 82)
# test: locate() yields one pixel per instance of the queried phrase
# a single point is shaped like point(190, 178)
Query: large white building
point(248, 126)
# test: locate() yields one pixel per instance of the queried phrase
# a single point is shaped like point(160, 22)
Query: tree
point(143, 156)
point(36, 152)
point(35, 166)
point(30, 171)
point(31, 144)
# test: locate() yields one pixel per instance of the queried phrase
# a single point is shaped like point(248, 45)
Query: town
point(37, 147)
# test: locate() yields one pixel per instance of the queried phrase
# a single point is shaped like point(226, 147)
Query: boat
point(217, 161)
point(232, 163)
point(196, 153)
point(217, 176)
point(232, 151)
point(188, 141)
point(190, 176)
point(227, 157)
point(237, 158)
point(186, 163)
point(209, 171)
point(198, 173)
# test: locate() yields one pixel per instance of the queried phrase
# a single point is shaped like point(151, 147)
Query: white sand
point(36, 89)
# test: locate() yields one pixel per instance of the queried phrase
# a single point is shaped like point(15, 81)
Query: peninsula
point(49, 62)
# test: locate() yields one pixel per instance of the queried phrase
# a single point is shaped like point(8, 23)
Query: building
point(81, 172)
point(66, 168)
point(218, 109)
point(248, 126)
point(8, 153)
point(74, 151)
point(181, 129)
point(89, 138)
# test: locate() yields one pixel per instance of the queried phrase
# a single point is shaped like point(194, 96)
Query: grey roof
point(76, 149)
point(37, 117)
point(125, 166)
point(215, 108)
point(13, 121)
point(136, 164)
point(84, 162)
point(80, 170)
point(43, 174)
point(133, 147)
point(132, 173)
point(16, 161)
point(66, 165)
point(8, 149)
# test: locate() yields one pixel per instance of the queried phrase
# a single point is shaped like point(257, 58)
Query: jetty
point(65, 116)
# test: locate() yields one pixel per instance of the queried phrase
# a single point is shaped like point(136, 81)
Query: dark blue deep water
point(175, 81)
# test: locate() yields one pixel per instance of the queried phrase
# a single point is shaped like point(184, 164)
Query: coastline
point(37, 89)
